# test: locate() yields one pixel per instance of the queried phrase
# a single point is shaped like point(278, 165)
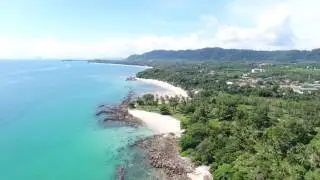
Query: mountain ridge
point(221, 54)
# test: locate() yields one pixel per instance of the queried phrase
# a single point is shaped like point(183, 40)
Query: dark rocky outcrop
point(118, 113)
point(160, 151)
point(131, 78)
point(163, 154)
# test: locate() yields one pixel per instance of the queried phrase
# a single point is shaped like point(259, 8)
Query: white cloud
point(276, 24)
point(284, 23)
point(271, 30)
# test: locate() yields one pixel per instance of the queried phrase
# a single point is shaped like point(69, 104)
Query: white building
point(257, 70)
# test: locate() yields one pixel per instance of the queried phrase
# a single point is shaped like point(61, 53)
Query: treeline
point(197, 77)
point(249, 137)
point(242, 132)
point(220, 54)
point(193, 76)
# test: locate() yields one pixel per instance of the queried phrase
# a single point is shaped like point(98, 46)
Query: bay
point(48, 128)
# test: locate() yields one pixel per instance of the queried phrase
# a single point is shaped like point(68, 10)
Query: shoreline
point(128, 65)
point(166, 126)
point(156, 122)
point(125, 65)
point(170, 90)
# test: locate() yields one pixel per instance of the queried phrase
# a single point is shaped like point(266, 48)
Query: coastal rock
point(162, 153)
point(131, 78)
point(117, 113)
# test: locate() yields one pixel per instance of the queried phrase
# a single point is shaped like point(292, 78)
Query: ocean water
point(48, 128)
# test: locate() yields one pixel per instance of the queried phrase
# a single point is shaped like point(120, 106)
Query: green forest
point(242, 132)
point(220, 54)
point(216, 55)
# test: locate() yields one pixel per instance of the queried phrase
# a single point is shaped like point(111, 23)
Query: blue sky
point(118, 28)
point(99, 17)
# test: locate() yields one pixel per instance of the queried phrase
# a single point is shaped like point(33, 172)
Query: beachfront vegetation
point(164, 109)
point(245, 131)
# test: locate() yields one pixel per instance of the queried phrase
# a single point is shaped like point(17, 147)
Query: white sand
point(170, 90)
point(127, 65)
point(158, 123)
point(201, 173)
point(161, 124)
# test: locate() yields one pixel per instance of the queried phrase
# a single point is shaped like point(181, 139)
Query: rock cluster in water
point(131, 78)
point(162, 153)
point(118, 113)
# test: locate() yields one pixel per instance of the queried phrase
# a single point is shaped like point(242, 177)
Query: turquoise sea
point(48, 128)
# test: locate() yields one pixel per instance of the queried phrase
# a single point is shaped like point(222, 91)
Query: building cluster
point(306, 87)
point(296, 86)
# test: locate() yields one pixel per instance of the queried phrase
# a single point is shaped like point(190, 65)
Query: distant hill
point(220, 54)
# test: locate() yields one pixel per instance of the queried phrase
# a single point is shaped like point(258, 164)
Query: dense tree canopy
point(244, 132)
point(220, 54)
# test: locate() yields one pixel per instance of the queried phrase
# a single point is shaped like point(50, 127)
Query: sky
point(85, 29)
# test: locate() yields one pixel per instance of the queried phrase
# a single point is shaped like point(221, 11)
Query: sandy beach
point(158, 123)
point(127, 65)
point(170, 90)
point(200, 173)
point(161, 124)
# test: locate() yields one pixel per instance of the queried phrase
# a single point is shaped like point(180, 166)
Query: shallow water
point(48, 130)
